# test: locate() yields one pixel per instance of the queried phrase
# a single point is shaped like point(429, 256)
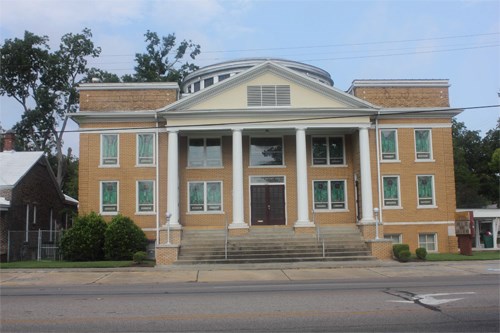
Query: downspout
point(157, 189)
point(380, 216)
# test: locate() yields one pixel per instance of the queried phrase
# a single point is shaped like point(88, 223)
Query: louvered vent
point(268, 95)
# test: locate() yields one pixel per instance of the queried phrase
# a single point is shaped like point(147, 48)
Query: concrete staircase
point(272, 244)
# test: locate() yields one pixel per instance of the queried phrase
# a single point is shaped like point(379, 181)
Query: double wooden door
point(267, 204)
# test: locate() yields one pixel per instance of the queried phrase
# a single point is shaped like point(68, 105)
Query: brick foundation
point(381, 248)
point(238, 232)
point(166, 254)
point(175, 235)
point(305, 230)
point(368, 230)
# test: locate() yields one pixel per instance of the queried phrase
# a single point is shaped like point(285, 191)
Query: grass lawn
point(481, 255)
point(76, 264)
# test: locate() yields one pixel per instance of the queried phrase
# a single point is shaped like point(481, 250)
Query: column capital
point(237, 129)
point(300, 128)
point(172, 130)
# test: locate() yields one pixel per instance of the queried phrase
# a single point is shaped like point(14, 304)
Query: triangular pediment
point(305, 93)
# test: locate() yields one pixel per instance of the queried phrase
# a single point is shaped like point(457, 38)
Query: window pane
point(196, 197)
point(208, 82)
point(109, 196)
point(337, 194)
point(214, 196)
point(388, 142)
point(336, 150)
point(266, 151)
point(146, 196)
point(320, 195)
point(423, 144)
point(391, 195)
point(146, 148)
point(196, 154)
point(395, 238)
point(425, 190)
point(319, 151)
point(109, 149)
point(213, 152)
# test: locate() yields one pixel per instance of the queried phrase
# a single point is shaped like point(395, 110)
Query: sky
point(449, 39)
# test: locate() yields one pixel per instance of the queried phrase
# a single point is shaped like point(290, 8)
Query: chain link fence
point(33, 245)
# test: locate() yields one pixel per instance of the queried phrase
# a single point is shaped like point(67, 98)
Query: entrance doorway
point(267, 201)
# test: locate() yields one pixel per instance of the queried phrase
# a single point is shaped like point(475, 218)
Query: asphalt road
point(430, 304)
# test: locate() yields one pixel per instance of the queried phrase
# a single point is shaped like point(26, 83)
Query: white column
point(366, 177)
point(173, 177)
point(238, 215)
point(302, 193)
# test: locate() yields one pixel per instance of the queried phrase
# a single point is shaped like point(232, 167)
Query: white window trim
point(221, 166)
point(396, 160)
point(101, 164)
point(400, 237)
point(435, 241)
point(419, 206)
point(328, 165)
point(251, 183)
point(137, 211)
point(205, 211)
point(117, 197)
point(329, 210)
point(144, 165)
point(399, 193)
point(431, 159)
point(266, 166)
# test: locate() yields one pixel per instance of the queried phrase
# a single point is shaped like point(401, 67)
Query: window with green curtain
point(425, 191)
point(109, 149)
point(214, 196)
point(423, 144)
point(145, 148)
point(196, 196)
point(145, 195)
point(388, 144)
point(320, 194)
point(109, 192)
point(337, 188)
point(391, 195)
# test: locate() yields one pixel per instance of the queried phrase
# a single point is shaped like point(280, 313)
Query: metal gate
point(33, 245)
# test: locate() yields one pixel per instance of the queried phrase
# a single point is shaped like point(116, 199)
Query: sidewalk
point(350, 270)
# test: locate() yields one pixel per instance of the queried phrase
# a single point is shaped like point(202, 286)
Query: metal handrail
point(317, 225)
point(225, 238)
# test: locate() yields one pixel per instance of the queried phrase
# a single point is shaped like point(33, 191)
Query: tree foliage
point(164, 59)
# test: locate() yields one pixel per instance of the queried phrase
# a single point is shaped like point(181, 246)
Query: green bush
point(123, 239)
point(421, 253)
point(404, 255)
point(139, 257)
point(397, 248)
point(85, 240)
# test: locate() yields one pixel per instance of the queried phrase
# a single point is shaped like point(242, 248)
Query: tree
point(44, 83)
point(162, 62)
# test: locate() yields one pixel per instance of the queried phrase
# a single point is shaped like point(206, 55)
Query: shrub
point(123, 239)
point(397, 248)
point(421, 253)
point(139, 257)
point(85, 240)
point(404, 255)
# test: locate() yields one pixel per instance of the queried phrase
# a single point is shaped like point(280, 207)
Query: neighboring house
point(271, 142)
point(30, 199)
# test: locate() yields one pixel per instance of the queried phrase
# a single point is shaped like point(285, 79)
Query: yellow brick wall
point(126, 100)
point(410, 234)
point(404, 96)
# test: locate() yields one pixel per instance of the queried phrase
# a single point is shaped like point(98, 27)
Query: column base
point(304, 224)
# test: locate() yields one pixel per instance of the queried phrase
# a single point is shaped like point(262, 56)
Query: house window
point(427, 241)
point(109, 197)
point(391, 191)
point(270, 95)
point(196, 86)
point(223, 77)
point(204, 152)
point(425, 185)
point(266, 151)
point(145, 149)
point(329, 194)
point(423, 150)
point(205, 196)
point(145, 196)
point(395, 238)
point(328, 150)
point(109, 149)
point(208, 82)
point(389, 144)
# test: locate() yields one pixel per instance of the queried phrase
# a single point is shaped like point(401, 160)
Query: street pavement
point(379, 269)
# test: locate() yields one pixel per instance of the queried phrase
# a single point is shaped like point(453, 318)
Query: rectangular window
point(145, 196)
point(427, 241)
point(196, 86)
point(266, 151)
point(389, 144)
point(223, 77)
point(145, 149)
point(208, 82)
point(109, 197)
point(423, 144)
point(329, 194)
point(269, 95)
point(425, 185)
point(204, 152)
point(328, 150)
point(391, 191)
point(395, 238)
point(205, 196)
point(109, 149)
